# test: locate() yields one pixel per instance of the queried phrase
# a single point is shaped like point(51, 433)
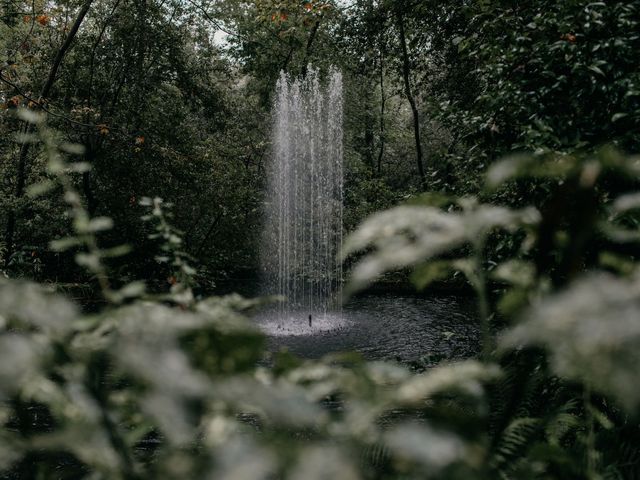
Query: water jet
point(304, 201)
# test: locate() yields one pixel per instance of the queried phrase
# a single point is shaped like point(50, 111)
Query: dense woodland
point(492, 141)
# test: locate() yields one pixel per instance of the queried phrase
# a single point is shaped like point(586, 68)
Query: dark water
point(399, 327)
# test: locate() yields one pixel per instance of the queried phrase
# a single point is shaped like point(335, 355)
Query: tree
point(406, 76)
point(27, 129)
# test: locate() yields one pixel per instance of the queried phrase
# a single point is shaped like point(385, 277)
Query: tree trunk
point(406, 74)
point(21, 175)
point(307, 52)
point(369, 129)
point(89, 157)
point(95, 47)
point(383, 101)
point(210, 231)
point(288, 59)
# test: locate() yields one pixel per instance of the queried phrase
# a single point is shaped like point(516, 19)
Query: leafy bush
point(172, 386)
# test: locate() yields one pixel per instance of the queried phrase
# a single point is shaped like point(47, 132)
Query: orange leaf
point(14, 101)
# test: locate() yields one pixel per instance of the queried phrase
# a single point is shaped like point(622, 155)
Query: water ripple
point(399, 327)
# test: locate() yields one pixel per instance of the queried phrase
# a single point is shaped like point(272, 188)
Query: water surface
point(388, 326)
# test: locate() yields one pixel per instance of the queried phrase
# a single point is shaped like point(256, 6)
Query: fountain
point(303, 228)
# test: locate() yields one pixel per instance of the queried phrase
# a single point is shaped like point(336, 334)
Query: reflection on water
point(298, 324)
point(394, 326)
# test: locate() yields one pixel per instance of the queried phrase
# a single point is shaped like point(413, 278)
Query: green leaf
point(99, 224)
point(618, 116)
point(323, 463)
point(118, 251)
point(627, 202)
point(90, 261)
point(30, 116)
point(73, 148)
point(64, 244)
point(31, 304)
point(515, 272)
point(508, 168)
point(431, 448)
point(80, 167)
point(40, 188)
point(425, 275)
point(131, 290)
point(465, 377)
point(622, 264)
point(596, 69)
point(528, 166)
point(26, 138)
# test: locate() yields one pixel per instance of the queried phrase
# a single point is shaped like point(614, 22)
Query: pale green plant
point(418, 236)
point(140, 346)
point(592, 333)
point(183, 383)
point(182, 280)
point(85, 229)
point(179, 389)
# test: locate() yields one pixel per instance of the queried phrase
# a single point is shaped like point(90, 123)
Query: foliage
point(145, 389)
point(571, 65)
point(171, 386)
point(136, 105)
point(101, 394)
point(169, 99)
point(588, 329)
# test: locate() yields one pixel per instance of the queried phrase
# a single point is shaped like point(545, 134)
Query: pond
point(381, 326)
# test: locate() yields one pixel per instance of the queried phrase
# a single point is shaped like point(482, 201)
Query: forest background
point(493, 141)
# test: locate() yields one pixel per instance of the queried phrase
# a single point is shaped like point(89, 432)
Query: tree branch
point(24, 149)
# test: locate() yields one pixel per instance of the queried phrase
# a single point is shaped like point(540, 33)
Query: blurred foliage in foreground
point(170, 386)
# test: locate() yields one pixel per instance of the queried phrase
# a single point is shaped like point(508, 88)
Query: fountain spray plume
point(303, 227)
